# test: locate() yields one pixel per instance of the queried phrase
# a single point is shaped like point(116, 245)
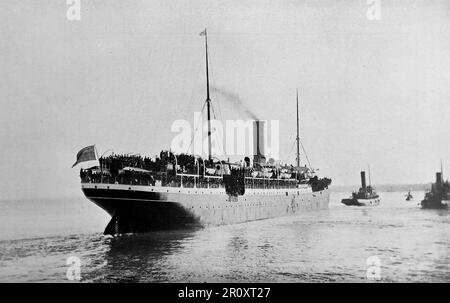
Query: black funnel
point(363, 181)
point(438, 178)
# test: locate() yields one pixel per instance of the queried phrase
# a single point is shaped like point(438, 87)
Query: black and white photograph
point(225, 141)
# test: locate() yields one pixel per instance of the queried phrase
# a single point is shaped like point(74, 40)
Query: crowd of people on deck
point(166, 168)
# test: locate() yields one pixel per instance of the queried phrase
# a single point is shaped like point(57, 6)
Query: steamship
point(366, 195)
point(439, 195)
point(176, 191)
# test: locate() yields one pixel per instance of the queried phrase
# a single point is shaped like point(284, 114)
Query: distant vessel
point(366, 195)
point(183, 190)
point(409, 196)
point(439, 195)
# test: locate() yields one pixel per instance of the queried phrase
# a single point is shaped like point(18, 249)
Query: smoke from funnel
point(236, 101)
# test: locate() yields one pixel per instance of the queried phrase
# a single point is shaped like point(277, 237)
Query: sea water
point(393, 242)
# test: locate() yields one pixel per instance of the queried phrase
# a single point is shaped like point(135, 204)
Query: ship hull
point(361, 202)
point(145, 208)
point(434, 204)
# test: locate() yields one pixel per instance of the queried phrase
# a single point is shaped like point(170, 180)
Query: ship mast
point(298, 137)
point(208, 100)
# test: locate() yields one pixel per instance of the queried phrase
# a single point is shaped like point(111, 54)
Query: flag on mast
point(203, 33)
point(86, 154)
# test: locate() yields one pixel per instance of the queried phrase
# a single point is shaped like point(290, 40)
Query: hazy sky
point(373, 92)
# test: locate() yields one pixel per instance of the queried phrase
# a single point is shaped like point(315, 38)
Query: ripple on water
point(322, 246)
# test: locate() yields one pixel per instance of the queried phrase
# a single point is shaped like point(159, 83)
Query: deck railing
point(189, 181)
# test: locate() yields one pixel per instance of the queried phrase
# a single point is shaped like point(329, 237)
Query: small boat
point(366, 195)
point(439, 195)
point(409, 196)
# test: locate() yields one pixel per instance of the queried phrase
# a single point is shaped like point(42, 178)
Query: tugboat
point(439, 195)
point(409, 196)
point(366, 195)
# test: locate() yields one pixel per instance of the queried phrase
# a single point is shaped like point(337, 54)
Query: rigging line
point(290, 151)
point(220, 138)
point(195, 130)
point(306, 155)
point(292, 146)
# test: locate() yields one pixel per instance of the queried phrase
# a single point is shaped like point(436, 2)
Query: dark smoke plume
point(235, 100)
